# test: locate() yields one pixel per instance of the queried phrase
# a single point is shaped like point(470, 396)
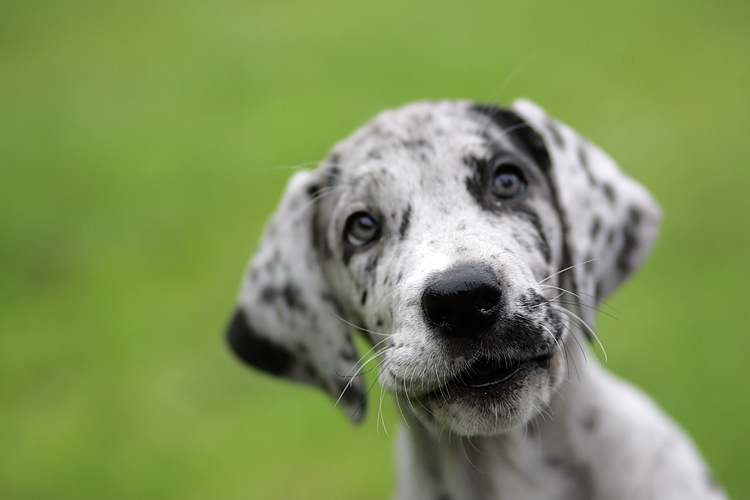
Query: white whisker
point(567, 269)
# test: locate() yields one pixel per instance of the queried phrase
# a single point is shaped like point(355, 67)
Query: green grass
point(139, 146)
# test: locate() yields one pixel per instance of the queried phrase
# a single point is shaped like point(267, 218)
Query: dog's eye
point(508, 182)
point(361, 229)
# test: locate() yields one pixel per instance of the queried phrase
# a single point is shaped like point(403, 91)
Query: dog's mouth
point(489, 371)
point(491, 393)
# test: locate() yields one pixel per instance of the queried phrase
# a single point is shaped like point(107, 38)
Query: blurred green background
point(139, 151)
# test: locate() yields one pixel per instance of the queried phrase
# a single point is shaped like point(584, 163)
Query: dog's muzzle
point(465, 306)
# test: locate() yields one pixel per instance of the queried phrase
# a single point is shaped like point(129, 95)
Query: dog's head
point(466, 242)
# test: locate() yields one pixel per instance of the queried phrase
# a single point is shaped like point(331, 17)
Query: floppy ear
point(286, 321)
point(611, 221)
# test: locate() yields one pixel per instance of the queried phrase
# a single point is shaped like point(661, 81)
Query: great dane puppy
point(470, 245)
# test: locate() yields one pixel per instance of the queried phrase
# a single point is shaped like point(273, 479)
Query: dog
point(471, 246)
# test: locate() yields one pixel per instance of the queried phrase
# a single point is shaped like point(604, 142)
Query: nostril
point(487, 301)
point(437, 312)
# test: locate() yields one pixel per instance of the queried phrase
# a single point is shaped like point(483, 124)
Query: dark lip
point(489, 371)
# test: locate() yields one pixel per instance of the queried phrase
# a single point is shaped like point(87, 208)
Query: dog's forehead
point(418, 135)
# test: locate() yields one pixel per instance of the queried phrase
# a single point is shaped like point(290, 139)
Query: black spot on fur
point(405, 218)
point(328, 297)
point(317, 234)
point(372, 266)
point(596, 227)
point(585, 164)
point(475, 187)
point(630, 241)
point(555, 322)
point(542, 243)
point(269, 267)
point(531, 301)
point(590, 420)
point(521, 134)
point(256, 350)
point(310, 372)
point(352, 396)
point(471, 162)
point(582, 158)
point(634, 216)
point(584, 482)
point(609, 192)
point(581, 484)
point(291, 295)
point(590, 264)
point(416, 144)
point(364, 297)
point(320, 243)
point(522, 333)
point(313, 190)
point(598, 294)
point(332, 175)
point(347, 355)
point(334, 161)
point(268, 295)
point(556, 135)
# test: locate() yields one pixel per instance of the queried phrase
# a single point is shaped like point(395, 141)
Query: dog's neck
point(536, 460)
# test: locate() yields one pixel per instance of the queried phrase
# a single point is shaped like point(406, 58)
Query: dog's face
point(435, 228)
point(441, 232)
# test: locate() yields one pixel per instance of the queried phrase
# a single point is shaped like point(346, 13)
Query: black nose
point(464, 302)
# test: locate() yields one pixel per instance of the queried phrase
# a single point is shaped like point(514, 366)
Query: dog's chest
point(527, 463)
point(527, 471)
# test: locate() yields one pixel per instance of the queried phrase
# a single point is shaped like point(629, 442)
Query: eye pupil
point(361, 229)
point(508, 182)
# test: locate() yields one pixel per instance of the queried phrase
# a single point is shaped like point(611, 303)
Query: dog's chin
point(491, 402)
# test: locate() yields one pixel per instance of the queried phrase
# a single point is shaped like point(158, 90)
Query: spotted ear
point(611, 220)
point(286, 321)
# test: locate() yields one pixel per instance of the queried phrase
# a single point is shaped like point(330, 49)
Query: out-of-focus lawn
point(138, 150)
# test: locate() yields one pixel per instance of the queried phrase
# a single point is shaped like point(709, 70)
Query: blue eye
point(361, 229)
point(508, 182)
